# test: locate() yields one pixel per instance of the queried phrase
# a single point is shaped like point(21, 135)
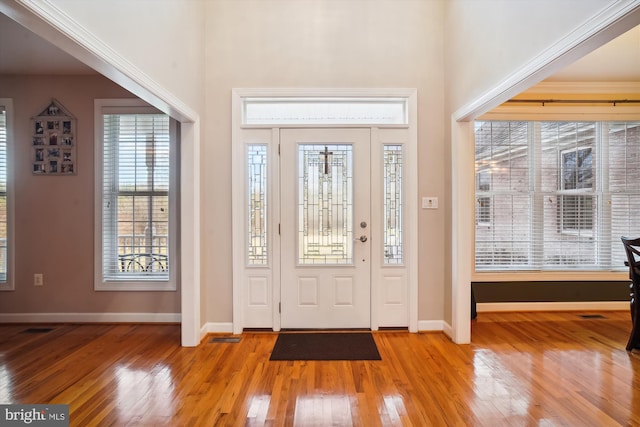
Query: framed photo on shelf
point(53, 141)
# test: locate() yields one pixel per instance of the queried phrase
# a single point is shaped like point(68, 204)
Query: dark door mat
point(325, 346)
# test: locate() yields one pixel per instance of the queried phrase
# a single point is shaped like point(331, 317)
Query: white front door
point(325, 228)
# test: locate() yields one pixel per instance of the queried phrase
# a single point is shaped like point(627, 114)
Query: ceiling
point(616, 61)
point(27, 53)
point(23, 52)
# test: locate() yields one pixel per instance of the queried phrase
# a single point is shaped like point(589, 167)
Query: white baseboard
point(90, 317)
point(430, 325)
point(447, 329)
point(552, 306)
point(227, 328)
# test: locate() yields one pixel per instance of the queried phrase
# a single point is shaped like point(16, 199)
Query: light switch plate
point(429, 203)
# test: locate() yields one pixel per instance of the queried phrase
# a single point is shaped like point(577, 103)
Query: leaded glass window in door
point(325, 204)
point(257, 248)
point(392, 185)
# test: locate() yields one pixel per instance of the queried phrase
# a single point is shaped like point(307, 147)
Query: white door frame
point(256, 291)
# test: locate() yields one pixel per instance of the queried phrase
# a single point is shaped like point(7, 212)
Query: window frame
point(127, 283)
point(9, 283)
point(576, 193)
point(483, 202)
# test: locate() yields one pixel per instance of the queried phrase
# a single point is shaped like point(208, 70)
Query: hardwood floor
point(544, 369)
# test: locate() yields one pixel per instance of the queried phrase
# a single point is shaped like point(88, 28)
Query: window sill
point(7, 287)
point(139, 286)
point(576, 233)
point(541, 276)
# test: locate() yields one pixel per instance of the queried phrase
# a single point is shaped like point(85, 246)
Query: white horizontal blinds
point(502, 195)
point(623, 140)
point(560, 202)
point(568, 172)
point(136, 197)
point(3, 195)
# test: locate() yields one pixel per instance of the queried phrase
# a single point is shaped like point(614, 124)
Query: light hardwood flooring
point(522, 369)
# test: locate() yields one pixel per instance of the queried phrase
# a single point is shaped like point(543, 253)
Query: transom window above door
point(324, 111)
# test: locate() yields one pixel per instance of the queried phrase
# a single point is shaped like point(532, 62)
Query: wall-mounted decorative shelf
point(54, 141)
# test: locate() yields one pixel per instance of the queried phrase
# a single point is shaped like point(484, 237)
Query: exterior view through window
point(555, 195)
point(136, 184)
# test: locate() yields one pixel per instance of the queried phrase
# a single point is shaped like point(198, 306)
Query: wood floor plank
point(552, 368)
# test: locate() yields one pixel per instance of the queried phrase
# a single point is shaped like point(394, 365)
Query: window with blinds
point(3, 197)
point(555, 195)
point(137, 200)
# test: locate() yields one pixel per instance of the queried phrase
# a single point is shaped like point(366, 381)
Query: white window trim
point(591, 191)
point(9, 284)
point(132, 105)
point(477, 198)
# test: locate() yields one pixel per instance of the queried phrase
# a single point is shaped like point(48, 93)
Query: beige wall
point(349, 43)
point(54, 215)
point(164, 39)
point(200, 50)
point(488, 40)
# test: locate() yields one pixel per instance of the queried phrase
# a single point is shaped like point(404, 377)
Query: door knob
point(362, 238)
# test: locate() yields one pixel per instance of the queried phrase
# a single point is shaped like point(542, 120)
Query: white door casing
point(325, 216)
point(257, 289)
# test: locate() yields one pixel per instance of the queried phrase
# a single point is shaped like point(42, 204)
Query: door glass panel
point(257, 250)
point(393, 204)
point(325, 204)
